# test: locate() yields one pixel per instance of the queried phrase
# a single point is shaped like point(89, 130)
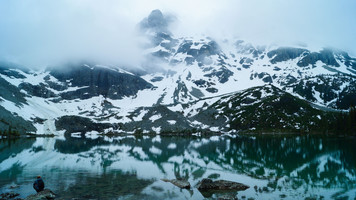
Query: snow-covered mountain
point(197, 84)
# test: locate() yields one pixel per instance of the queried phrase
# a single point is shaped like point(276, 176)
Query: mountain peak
point(155, 22)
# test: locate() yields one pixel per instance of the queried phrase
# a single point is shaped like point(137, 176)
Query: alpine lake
point(131, 167)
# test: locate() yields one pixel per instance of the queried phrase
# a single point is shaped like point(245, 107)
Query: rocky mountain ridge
point(201, 85)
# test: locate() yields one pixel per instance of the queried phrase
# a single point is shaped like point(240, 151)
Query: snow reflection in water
point(131, 167)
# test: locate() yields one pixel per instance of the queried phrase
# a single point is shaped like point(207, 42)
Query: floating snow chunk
point(155, 117)
point(155, 150)
point(172, 146)
point(172, 122)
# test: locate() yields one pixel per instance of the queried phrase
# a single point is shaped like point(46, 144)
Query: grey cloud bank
point(40, 32)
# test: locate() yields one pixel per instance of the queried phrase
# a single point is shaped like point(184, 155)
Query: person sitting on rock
point(38, 185)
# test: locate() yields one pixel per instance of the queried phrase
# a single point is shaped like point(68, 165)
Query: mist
point(38, 33)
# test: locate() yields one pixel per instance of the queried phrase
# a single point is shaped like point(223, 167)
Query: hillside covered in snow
point(187, 85)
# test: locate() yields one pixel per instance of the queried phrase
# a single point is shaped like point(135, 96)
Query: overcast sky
point(41, 32)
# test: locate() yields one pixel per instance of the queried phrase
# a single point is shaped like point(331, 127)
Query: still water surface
point(275, 167)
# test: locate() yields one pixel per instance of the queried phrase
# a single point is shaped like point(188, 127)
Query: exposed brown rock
point(208, 184)
point(179, 183)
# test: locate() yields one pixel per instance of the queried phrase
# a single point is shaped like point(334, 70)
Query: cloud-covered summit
point(38, 33)
point(156, 22)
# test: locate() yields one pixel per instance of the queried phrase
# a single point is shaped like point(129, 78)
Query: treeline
point(345, 122)
point(10, 132)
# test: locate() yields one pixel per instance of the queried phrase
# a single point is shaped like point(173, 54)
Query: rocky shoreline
point(46, 194)
point(225, 190)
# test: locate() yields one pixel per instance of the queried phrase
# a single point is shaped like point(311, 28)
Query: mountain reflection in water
point(131, 167)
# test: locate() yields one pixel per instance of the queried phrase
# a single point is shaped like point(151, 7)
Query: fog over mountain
point(40, 33)
point(107, 72)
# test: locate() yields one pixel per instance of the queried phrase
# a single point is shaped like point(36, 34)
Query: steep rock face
point(198, 51)
point(13, 124)
point(347, 60)
point(326, 56)
point(155, 22)
point(74, 124)
point(98, 81)
point(248, 49)
point(11, 93)
point(284, 54)
point(40, 90)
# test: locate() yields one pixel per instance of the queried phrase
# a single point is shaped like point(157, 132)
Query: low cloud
point(40, 32)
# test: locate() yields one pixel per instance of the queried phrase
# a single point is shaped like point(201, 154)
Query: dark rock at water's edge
point(208, 187)
point(9, 195)
point(179, 183)
point(43, 195)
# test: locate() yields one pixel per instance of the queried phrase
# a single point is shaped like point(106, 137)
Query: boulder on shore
point(43, 195)
point(179, 183)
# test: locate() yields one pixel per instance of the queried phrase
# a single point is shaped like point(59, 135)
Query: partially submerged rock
point(208, 184)
point(179, 183)
point(207, 187)
point(43, 195)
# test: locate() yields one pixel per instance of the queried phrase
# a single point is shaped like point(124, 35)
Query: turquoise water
point(128, 167)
